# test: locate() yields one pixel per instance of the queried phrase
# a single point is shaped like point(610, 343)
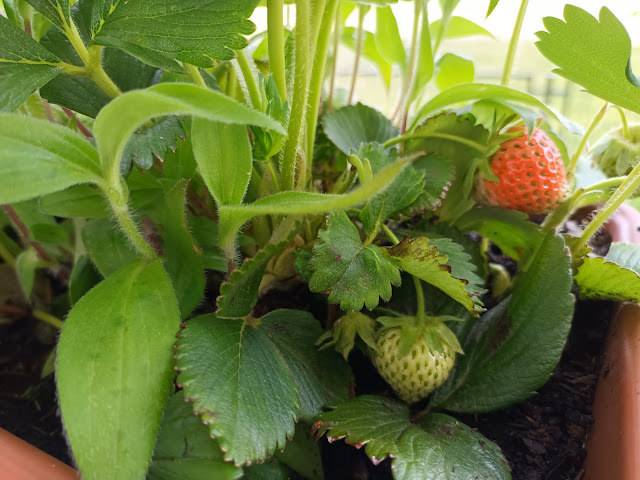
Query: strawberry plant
point(222, 230)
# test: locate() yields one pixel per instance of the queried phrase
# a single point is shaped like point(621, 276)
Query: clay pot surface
point(22, 461)
point(613, 448)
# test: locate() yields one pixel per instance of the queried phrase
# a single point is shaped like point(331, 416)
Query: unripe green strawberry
point(616, 154)
point(417, 373)
point(531, 175)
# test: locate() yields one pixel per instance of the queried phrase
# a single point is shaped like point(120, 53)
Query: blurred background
point(532, 72)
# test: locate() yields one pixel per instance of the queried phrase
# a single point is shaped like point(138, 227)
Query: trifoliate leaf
point(423, 260)
point(595, 55)
point(434, 448)
point(354, 274)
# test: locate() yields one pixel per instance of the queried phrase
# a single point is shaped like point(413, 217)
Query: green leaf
point(184, 449)
point(114, 357)
point(453, 70)
point(180, 164)
point(205, 231)
point(26, 264)
point(420, 259)
point(25, 65)
point(459, 27)
point(593, 55)
point(492, 5)
point(302, 454)
point(459, 140)
point(351, 126)
point(56, 11)
point(75, 92)
point(461, 266)
point(183, 264)
point(347, 328)
point(480, 91)
point(120, 118)
point(400, 193)
point(387, 37)
point(29, 169)
point(514, 347)
point(84, 277)
point(223, 148)
point(354, 274)
point(107, 245)
point(239, 295)
point(369, 51)
point(322, 378)
point(192, 31)
point(508, 229)
point(626, 255)
point(438, 175)
point(598, 278)
point(151, 142)
point(272, 470)
point(249, 379)
point(435, 448)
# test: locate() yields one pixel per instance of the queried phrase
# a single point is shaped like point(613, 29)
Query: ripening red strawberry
point(531, 175)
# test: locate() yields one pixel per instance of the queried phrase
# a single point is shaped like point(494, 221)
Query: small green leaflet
point(25, 65)
point(626, 255)
point(159, 33)
point(434, 448)
point(351, 126)
point(220, 147)
point(387, 37)
point(598, 278)
point(514, 347)
point(115, 358)
point(185, 450)
point(60, 158)
point(595, 55)
point(354, 274)
point(26, 264)
point(454, 70)
point(345, 331)
point(438, 176)
point(459, 27)
point(250, 380)
point(151, 142)
point(420, 259)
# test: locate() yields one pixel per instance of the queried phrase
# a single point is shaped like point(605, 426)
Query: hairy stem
point(275, 39)
point(249, 79)
point(513, 44)
point(317, 75)
point(409, 77)
point(356, 63)
point(334, 62)
point(97, 73)
point(300, 93)
point(625, 125)
point(129, 227)
point(194, 74)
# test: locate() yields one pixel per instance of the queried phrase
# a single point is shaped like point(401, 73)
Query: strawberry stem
point(513, 44)
point(576, 156)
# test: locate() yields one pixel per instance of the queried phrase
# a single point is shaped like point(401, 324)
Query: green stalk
point(625, 125)
point(274, 175)
point(194, 74)
point(317, 75)
point(359, 38)
point(48, 318)
point(275, 39)
point(5, 254)
point(98, 75)
point(300, 92)
point(334, 62)
point(409, 78)
point(513, 44)
point(624, 191)
point(129, 227)
point(576, 156)
point(446, 136)
point(249, 80)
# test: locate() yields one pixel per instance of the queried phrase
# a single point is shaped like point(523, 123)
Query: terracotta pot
point(22, 461)
point(613, 447)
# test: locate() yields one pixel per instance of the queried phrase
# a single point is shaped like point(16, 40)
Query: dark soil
point(28, 404)
point(543, 438)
